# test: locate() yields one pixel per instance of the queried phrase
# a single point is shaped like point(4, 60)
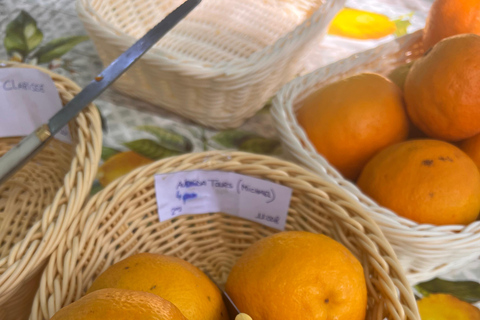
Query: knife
point(232, 309)
point(19, 155)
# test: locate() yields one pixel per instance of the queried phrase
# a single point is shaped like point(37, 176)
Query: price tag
point(28, 99)
point(198, 192)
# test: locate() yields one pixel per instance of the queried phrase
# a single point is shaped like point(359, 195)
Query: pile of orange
point(411, 140)
point(290, 275)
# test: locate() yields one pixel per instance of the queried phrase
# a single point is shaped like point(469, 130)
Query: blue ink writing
point(191, 183)
point(264, 193)
point(175, 210)
point(10, 85)
point(220, 184)
point(188, 196)
point(263, 216)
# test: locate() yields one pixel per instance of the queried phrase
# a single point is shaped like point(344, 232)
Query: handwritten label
point(28, 99)
point(198, 192)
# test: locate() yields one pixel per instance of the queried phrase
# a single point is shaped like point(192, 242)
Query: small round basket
point(122, 220)
point(425, 251)
point(38, 203)
point(220, 64)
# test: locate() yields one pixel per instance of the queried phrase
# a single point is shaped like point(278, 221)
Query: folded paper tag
point(198, 192)
point(28, 99)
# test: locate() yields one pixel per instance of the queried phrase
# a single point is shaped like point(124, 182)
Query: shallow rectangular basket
point(39, 202)
point(425, 251)
point(122, 220)
point(220, 64)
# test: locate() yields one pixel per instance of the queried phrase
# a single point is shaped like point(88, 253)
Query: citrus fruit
point(298, 275)
point(427, 181)
point(447, 18)
point(471, 147)
point(119, 165)
point(119, 304)
point(446, 307)
point(350, 120)
point(171, 278)
point(362, 25)
point(441, 89)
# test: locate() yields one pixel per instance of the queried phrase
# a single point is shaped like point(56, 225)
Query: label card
point(28, 99)
point(198, 192)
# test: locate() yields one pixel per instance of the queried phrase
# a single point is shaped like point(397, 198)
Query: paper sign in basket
point(199, 192)
point(28, 99)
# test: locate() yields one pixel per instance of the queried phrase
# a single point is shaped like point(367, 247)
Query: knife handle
point(243, 316)
point(22, 152)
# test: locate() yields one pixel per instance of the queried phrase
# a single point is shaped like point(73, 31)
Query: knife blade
point(233, 312)
point(19, 155)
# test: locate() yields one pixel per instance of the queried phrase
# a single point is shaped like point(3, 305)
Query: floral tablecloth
point(60, 43)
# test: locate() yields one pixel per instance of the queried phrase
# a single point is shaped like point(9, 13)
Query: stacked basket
point(39, 202)
point(122, 220)
point(425, 251)
point(220, 64)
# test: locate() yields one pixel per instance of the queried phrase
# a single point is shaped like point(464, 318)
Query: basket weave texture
point(39, 202)
point(122, 220)
point(425, 251)
point(220, 64)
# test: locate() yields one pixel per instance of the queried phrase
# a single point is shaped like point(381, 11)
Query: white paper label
point(28, 99)
point(198, 192)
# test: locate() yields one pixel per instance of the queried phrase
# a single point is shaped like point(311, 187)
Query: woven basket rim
point(230, 69)
point(86, 154)
point(143, 176)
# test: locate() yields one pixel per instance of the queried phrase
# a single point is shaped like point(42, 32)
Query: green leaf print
point(107, 152)
point(232, 138)
point(261, 145)
point(402, 24)
point(169, 139)
point(150, 149)
point(468, 291)
point(57, 48)
point(22, 35)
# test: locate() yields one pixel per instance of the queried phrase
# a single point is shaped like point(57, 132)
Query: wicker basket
point(425, 251)
point(39, 202)
point(221, 64)
point(122, 220)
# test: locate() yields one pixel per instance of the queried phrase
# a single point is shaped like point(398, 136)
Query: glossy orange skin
point(350, 120)
point(471, 147)
point(119, 304)
point(298, 275)
point(451, 17)
point(441, 89)
point(427, 181)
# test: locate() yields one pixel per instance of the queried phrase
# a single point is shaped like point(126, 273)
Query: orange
point(472, 148)
point(119, 304)
point(362, 25)
point(441, 90)
point(298, 275)
point(399, 74)
point(352, 119)
point(451, 17)
point(427, 181)
point(171, 278)
point(119, 165)
point(446, 307)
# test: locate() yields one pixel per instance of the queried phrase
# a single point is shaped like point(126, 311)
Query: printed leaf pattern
point(246, 141)
point(22, 35)
point(108, 152)
point(468, 291)
point(169, 139)
point(57, 48)
point(402, 24)
point(150, 149)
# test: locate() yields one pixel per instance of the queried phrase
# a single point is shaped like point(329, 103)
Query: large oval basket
point(219, 65)
point(39, 202)
point(425, 251)
point(122, 220)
